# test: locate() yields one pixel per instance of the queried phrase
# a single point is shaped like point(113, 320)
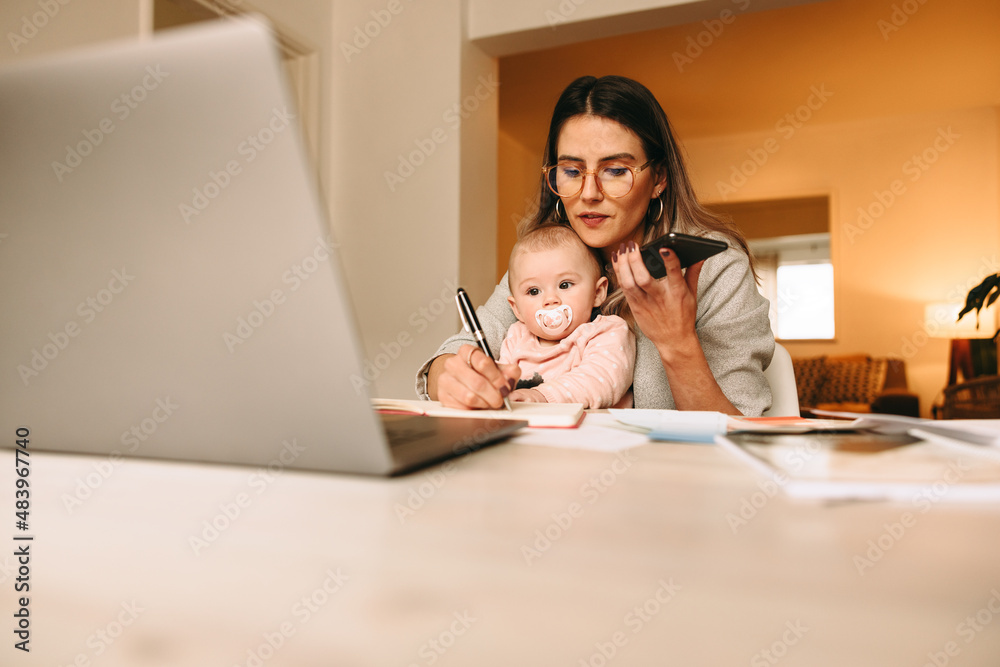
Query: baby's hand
point(527, 396)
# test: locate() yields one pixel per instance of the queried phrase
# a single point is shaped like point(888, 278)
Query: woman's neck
point(637, 237)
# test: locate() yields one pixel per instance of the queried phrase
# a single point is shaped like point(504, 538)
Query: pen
point(471, 324)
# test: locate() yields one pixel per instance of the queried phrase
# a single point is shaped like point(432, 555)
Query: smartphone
point(689, 249)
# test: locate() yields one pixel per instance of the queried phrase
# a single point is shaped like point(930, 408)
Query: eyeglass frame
point(635, 175)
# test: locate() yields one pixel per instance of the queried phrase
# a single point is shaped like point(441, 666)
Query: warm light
point(939, 321)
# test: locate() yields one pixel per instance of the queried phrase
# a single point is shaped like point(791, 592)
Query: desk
point(635, 563)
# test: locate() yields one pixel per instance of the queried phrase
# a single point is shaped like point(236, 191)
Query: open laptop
point(167, 278)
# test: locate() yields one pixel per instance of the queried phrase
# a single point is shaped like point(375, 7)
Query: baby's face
point(554, 290)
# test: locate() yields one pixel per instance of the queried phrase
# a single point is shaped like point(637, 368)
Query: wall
point(914, 219)
point(29, 30)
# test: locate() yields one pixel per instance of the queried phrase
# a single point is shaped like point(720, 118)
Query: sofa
point(854, 383)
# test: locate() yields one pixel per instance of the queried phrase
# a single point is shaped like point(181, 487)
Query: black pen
point(471, 324)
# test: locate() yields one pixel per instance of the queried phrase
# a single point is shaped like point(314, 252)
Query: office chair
point(781, 376)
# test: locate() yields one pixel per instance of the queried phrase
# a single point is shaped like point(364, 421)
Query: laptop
point(169, 284)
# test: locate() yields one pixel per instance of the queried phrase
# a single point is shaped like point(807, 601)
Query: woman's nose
point(591, 188)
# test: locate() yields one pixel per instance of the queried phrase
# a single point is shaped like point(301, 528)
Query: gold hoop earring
point(560, 216)
point(659, 214)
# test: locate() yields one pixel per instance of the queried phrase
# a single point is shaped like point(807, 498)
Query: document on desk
point(974, 431)
point(791, 424)
point(695, 426)
point(539, 415)
point(915, 467)
point(599, 432)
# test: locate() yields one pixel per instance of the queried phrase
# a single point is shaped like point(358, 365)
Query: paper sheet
point(598, 432)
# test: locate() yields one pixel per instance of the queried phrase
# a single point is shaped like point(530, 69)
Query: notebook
point(538, 415)
point(169, 284)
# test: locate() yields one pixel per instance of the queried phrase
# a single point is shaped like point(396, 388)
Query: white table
point(642, 567)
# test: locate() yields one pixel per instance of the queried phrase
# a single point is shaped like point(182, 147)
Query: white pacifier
point(554, 321)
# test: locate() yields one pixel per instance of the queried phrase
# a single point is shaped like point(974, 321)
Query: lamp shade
point(941, 321)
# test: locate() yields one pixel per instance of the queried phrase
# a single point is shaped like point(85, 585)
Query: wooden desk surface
point(516, 555)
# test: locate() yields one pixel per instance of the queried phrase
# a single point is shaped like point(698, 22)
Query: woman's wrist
point(691, 381)
point(679, 353)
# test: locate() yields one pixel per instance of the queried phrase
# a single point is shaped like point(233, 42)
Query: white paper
point(597, 433)
point(677, 425)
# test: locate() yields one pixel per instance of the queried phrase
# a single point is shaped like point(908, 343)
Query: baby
point(564, 355)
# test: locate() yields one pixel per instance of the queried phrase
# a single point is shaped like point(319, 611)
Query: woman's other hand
point(664, 309)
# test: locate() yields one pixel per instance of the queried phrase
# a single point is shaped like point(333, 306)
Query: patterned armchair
point(856, 383)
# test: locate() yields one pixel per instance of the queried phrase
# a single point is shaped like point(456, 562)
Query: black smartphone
point(689, 249)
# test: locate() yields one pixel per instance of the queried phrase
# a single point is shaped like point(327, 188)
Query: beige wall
point(76, 23)
point(929, 240)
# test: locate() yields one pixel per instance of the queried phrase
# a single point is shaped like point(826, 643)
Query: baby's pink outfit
point(593, 365)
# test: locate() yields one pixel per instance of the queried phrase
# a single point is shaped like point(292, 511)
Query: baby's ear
point(602, 291)
point(513, 306)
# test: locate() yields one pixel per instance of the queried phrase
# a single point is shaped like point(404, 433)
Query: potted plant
point(982, 296)
point(979, 397)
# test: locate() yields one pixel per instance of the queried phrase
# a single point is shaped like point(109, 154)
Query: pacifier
point(554, 321)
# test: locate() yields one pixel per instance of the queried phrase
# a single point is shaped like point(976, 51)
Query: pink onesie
point(593, 365)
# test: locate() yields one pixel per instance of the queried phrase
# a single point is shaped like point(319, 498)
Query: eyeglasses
point(614, 180)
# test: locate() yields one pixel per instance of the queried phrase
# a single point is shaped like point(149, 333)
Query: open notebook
point(551, 415)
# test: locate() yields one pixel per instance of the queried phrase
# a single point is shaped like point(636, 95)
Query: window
point(790, 239)
point(797, 278)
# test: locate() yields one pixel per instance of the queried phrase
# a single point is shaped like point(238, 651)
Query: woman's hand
point(664, 309)
point(470, 380)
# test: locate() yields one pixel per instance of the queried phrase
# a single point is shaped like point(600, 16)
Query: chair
point(781, 376)
point(978, 398)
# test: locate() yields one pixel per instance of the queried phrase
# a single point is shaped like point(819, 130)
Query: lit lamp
point(940, 322)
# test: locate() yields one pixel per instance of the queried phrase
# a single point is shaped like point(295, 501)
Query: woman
point(614, 173)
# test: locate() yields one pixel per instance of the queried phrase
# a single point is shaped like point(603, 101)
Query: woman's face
point(601, 221)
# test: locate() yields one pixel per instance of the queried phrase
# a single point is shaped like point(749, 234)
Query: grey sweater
point(732, 325)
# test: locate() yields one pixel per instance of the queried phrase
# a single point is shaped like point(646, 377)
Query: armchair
point(855, 383)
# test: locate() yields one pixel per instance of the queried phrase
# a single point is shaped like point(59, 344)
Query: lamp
point(941, 321)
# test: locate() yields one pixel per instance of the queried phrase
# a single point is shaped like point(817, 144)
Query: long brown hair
point(631, 104)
